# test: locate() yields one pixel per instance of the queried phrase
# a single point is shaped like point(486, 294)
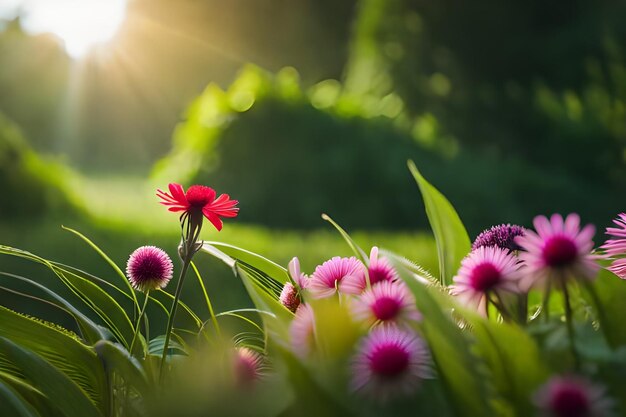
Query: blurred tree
point(290, 155)
point(30, 186)
point(33, 79)
point(116, 107)
point(543, 81)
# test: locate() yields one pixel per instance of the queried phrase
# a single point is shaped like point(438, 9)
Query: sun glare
point(80, 24)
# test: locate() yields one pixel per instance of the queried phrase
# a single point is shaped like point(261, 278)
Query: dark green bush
point(545, 82)
point(266, 144)
point(30, 186)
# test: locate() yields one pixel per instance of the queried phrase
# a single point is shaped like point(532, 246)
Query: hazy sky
point(79, 23)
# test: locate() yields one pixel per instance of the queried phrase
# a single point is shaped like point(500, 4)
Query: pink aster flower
point(617, 247)
point(247, 366)
point(502, 236)
point(302, 331)
point(378, 270)
point(572, 397)
point(488, 269)
point(298, 277)
point(390, 362)
point(199, 200)
point(559, 249)
point(290, 296)
point(386, 302)
point(149, 268)
point(330, 276)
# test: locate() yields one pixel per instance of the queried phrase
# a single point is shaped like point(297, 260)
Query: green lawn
point(122, 213)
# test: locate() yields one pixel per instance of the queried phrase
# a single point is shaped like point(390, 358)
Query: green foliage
point(331, 152)
point(66, 394)
point(30, 186)
point(457, 367)
point(482, 365)
point(605, 294)
point(503, 78)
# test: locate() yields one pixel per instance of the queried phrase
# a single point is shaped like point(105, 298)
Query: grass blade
point(113, 265)
point(453, 243)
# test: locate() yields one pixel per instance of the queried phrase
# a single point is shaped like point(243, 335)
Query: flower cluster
point(392, 358)
point(511, 259)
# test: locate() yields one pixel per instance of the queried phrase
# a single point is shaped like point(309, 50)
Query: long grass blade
point(113, 265)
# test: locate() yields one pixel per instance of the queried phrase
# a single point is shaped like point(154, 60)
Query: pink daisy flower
point(390, 362)
point(617, 247)
point(149, 268)
point(488, 269)
point(247, 366)
point(572, 397)
point(302, 331)
point(386, 302)
point(329, 277)
point(198, 201)
point(378, 270)
point(559, 249)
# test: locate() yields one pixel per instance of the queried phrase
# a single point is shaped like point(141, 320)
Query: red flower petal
point(214, 219)
point(176, 200)
point(223, 206)
point(178, 193)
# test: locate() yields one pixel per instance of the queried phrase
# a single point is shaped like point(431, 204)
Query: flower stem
point(499, 304)
point(208, 301)
point(170, 320)
point(570, 325)
point(522, 309)
point(138, 326)
point(545, 307)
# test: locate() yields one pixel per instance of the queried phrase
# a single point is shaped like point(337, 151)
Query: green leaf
point(451, 349)
point(58, 347)
point(155, 346)
point(90, 330)
point(453, 243)
point(42, 404)
point(310, 394)
point(118, 359)
point(13, 404)
point(514, 362)
point(105, 306)
point(261, 285)
point(244, 256)
point(68, 396)
point(607, 294)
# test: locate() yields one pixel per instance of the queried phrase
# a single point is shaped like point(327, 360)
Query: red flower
point(199, 200)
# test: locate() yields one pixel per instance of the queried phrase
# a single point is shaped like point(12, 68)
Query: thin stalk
point(138, 326)
point(570, 325)
point(170, 320)
point(522, 308)
point(545, 306)
point(487, 301)
point(208, 301)
point(497, 302)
